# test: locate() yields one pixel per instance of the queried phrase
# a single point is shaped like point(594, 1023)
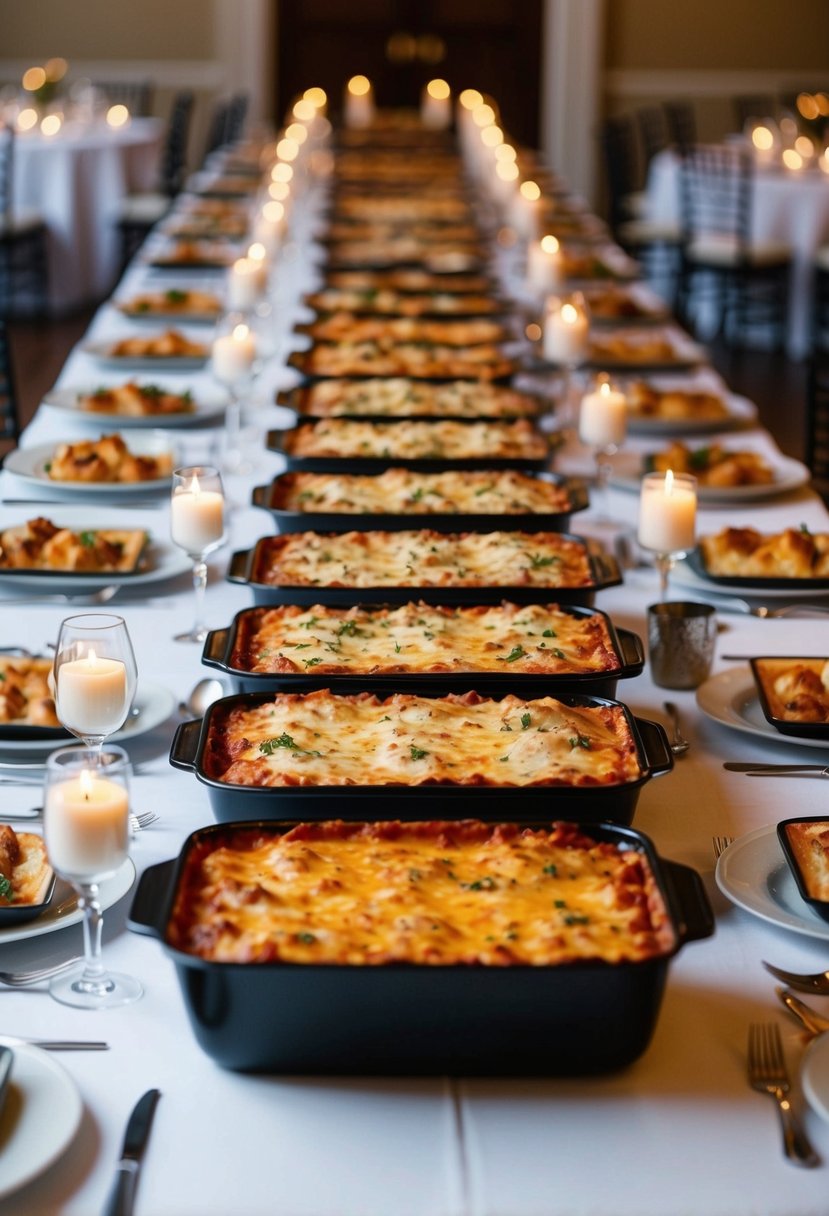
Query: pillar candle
point(544, 265)
point(565, 334)
point(244, 285)
point(196, 517)
point(358, 108)
point(92, 696)
point(86, 825)
point(233, 355)
point(436, 105)
point(603, 418)
point(668, 512)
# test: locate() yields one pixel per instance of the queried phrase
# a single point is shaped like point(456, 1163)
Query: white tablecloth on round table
point(76, 181)
point(792, 207)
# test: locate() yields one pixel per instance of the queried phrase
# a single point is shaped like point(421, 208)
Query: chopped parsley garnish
point(517, 652)
point(484, 489)
point(302, 645)
point(560, 903)
point(397, 648)
point(480, 884)
point(174, 296)
point(526, 720)
point(559, 654)
point(537, 561)
point(307, 939)
point(311, 662)
point(549, 633)
point(87, 539)
point(310, 623)
point(579, 741)
point(6, 888)
point(551, 869)
point(572, 919)
point(417, 752)
point(268, 746)
point(349, 629)
point(418, 494)
point(415, 875)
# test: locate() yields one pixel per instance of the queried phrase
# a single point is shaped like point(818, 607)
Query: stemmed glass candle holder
point(603, 427)
point(544, 268)
point(667, 519)
point(234, 356)
point(94, 676)
point(197, 525)
point(86, 804)
point(565, 339)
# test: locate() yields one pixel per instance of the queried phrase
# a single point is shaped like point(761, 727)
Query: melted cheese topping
point(399, 397)
point(810, 845)
point(395, 303)
point(435, 894)
point(326, 740)
point(403, 492)
point(404, 207)
point(484, 362)
point(416, 637)
point(407, 280)
point(422, 559)
point(174, 300)
point(368, 229)
point(346, 327)
point(746, 553)
point(414, 440)
point(671, 405)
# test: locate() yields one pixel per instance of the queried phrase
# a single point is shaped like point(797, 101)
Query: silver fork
point(22, 979)
point(818, 984)
point(720, 844)
point(767, 1074)
point(136, 822)
point(679, 744)
point(102, 596)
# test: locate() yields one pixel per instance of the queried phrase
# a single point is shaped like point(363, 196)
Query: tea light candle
point(603, 418)
point(92, 694)
point(436, 105)
point(233, 355)
point(667, 512)
point(244, 285)
point(565, 336)
point(196, 517)
point(86, 825)
point(544, 265)
point(358, 109)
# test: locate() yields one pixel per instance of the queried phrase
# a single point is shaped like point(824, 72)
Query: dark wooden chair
point(227, 122)
point(136, 95)
point(817, 423)
point(9, 417)
point(681, 121)
point(820, 304)
point(744, 281)
point(653, 132)
point(24, 272)
point(756, 108)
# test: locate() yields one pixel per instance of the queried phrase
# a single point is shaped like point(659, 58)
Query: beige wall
point(107, 29)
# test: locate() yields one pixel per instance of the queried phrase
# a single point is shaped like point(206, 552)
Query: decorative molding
point(658, 82)
point(168, 73)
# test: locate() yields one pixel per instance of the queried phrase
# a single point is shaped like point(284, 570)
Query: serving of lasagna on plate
point(136, 401)
point(39, 544)
point(25, 696)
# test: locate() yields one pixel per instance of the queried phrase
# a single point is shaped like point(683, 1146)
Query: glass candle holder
point(197, 525)
point(667, 519)
point(94, 676)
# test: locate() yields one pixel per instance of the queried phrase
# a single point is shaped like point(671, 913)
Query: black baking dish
point(496, 306)
point(747, 585)
point(339, 521)
point(616, 803)
point(298, 360)
point(420, 464)
point(221, 643)
point(502, 333)
point(14, 914)
point(572, 1019)
point(604, 571)
point(819, 906)
point(798, 730)
point(299, 400)
point(466, 284)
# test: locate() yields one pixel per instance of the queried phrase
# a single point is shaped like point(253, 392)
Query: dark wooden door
point(490, 45)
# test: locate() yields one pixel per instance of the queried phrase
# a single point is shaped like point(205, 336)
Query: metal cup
point(681, 637)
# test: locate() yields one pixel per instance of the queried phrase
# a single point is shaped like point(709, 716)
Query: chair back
point(227, 122)
point(174, 155)
point(618, 142)
point(652, 131)
point(136, 95)
point(9, 418)
point(6, 169)
point(682, 123)
point(817, 424)
point(716, 188)
point(237, 114)
point(755, 108)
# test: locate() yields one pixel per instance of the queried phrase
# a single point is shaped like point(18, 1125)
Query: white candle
point(526, 210)
point(544, 265)
point(233, 355)
point(244, 285)
point(603, 418)
point(92, 694)
point(269, 226)
point(86, 826)
point(667, 513)
point(358, 109)
point(436, 105)
point(196, 517)
point(565, 333)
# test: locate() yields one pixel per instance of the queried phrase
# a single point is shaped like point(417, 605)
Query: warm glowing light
point(789, 127)
point(507, 171)
point(762, 138)
point(822, 103)
point(807, 105)
point(26, 119)
point(533, 331)
point(33, 79)
point(804, 146)
point(86, 778)
point(296, 132)
point(273, 213)
point(282, 172)
point(470, 98)
point(492, 136)
point(279, 191)
point(117, 115)
point(240, 333)
point(569, 314)
point(194, 487)
point(317, 96)
point(304, 110)
point(257, 251)
point(438, 89)
point(287, 149)
point(359, 86)
point(506, 152)
point(549, 244)
point(483, 115)
point(669, 483)
point(824, 161)
point(792, 159)
point(56, 69)
point(51, 124)
point(530, 191)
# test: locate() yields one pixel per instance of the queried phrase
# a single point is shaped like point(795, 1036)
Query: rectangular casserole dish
point(409, 1019)
point(222, 645)
point(304, 400)
point(190, 750)
point(247, 565)
point(767, 670)
point(797, 852)
point(497, 371)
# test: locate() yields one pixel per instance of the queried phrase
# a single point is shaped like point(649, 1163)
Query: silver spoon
point(679, 744)
point(813, 1023)
point(202, 697)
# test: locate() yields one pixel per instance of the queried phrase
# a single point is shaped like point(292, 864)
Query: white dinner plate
point(685, 576)
point(166, 318)
point(64, 910)
point(754, 875)
point(154, 703)
point(208, 409)
point(654, 309)
point(101, 352)
point(32, 464)
point(40, 1117)
point(731, 698)
point(628, 471)
point(740, 412)
point(814, 1073)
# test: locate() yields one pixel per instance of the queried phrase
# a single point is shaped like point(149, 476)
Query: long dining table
point(680, 1131)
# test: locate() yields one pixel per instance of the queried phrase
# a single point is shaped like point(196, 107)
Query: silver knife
point(122, 1196)
point(734, 766)
point(6, 1061)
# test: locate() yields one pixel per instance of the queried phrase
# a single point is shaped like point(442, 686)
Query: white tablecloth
point(76, 180)
point(679, 1132)
point(792, 207)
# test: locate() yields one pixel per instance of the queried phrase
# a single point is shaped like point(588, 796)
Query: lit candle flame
point(438, 89)
point(530, 191)
point(240, 332)
point(669, 483)
point(549, 244)
point(569, 314)
point(317, 96)
point(304, 109)
point(762, 138)
point(257, 251)
point(117, 115)
point(359, 86)
point(194, 487)
point(470, 98)
point(604, 388)
point(91, 657)
point(86, 781)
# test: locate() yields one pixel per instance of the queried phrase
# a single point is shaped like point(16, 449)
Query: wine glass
point(94, 676)
point(667, 519)
point(197, 526)
point(603, 427)
point(86, 832)
point(234, 365)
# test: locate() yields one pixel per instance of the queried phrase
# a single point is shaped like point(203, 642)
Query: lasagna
point(175, 300)
point(402, 398)
point(169, 345)
point(809, 842)
point(714, 466)
point(403, 492)
point(647, 403)
point(133, 400)
point(609, 303)
point(633, 346)
point(411, 439)
point(39, 544)
point(25, 872)
point(399, 209)
point(422, 559)
point(107, 459)
point(391, 331)
point(795, 690)
point(408, 280)
point(383, 230)
point(207, 227)
point(430, 361)
point(25, 696)
point(746, 553)
point(387, 302)
point(440, 257)
point(318, 739)
point(540, 639)
point(429, 894)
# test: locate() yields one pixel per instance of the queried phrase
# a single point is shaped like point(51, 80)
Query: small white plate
point(40, 1117)
point(685, 575)
point(731, 698)
point(209, 409)
point(64, 910)
point(789, 475)
point(102, 353)
point(740, 412)
point(754, 875)
point(814, 1073)
point(153, 701)
point(31, 464)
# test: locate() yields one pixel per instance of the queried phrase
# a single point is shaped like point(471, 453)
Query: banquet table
point(788, 206)
point(678, 1132)
point(76, 180)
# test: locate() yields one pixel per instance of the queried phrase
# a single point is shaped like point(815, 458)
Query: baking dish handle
point(185, 747)
point(148, 913)
point(274, 441)
point(606, 570)
point(693, 916)
point(658, 755)
point(215, 649)
point(237, 571)
point(260, 496)
point(632, 650)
